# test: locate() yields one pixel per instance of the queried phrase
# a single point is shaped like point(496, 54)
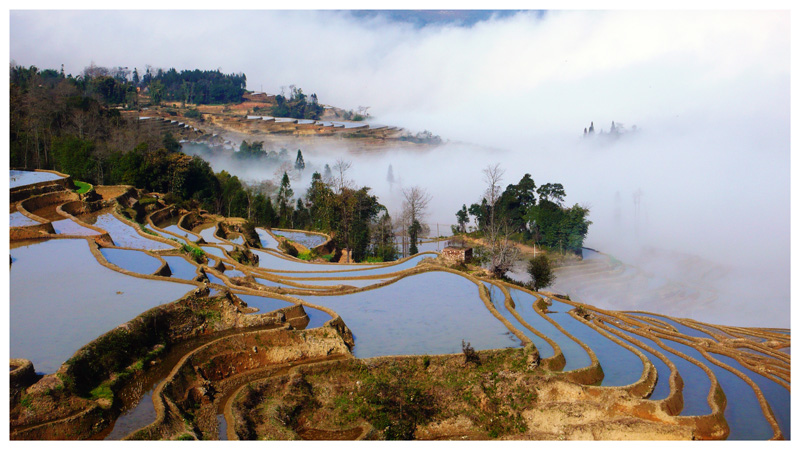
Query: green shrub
point(470, 355)
point(102, 391)
point(144, 201)
point(193, 114)
point(82, 187)
point(396, 405)
point(197, 254)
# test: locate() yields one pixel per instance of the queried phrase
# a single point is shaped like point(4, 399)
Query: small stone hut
point(457, 254)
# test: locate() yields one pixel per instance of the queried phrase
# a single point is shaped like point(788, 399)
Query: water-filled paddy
point(158, 232)
point(777, 396)
point(267, 241)
point(308, 240)
point(18, 219)
point(576, 357)
point(214, 279)
point(208, 234)
point(743, 413)
point(135, 418)
point(620, 365)
point(124, 235)
point(181, 268)
point(24, 178)
point(435, 246)
point(62, 298)
point(269, 261)
point(335, 281)
point(234, 273)
point(131, 260)
point(213, 251)
point(498, 300)
point(661, 389)
point(264, 304)
point(316, 317)
point(71, 228)
point(175, 229)
point(683, 329)
point(426, 313)
point(338, 270)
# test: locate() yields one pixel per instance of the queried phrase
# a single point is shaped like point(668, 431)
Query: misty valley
point(194, 259)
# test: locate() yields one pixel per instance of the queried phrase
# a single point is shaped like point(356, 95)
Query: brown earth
point(497, 399)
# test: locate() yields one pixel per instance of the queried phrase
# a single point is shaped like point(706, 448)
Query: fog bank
point(708, 92)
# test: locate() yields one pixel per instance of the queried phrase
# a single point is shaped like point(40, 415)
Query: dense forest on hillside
point(70, 124)
point(193, 86)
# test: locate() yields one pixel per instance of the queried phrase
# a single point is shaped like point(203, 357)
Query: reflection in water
point(131, 260)
point(426, 313)
point(308, 240)
point(125, 236)
point(25, 177)
point(69, 227)
point(661, 389)
point(498, 300)
point(620, 365)
point(79, 301)
point(181, 268)
point(576, 357)
point(208, 234)
point(746, 420)
point(18, 219)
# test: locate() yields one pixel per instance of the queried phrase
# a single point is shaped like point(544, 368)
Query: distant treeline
point(297, 106)
point(69, 124)
point(193, 86)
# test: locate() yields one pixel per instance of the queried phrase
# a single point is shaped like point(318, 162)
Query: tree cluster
point(193, 86)
point(297, 106)
point(70, 125)
point(530, 214)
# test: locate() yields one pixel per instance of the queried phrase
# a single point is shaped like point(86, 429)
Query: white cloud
point(709, 89)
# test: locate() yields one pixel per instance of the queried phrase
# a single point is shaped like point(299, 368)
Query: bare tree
point(502, 250)
point(414, 207)
point(339, 178)
point(493, 176)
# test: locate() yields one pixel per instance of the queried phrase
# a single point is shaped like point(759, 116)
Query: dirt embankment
point(436, 398)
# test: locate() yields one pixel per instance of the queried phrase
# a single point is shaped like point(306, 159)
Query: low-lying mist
point(704, 179)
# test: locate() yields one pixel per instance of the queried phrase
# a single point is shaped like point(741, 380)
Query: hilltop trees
point(297, 106)
point(527, 214)
point(194, 86)
point(558, 227)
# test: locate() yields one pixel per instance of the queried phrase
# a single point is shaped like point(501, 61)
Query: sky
point(708, 93)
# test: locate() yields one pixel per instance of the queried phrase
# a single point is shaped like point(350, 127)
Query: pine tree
point(285, 195)
point(299, 163)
